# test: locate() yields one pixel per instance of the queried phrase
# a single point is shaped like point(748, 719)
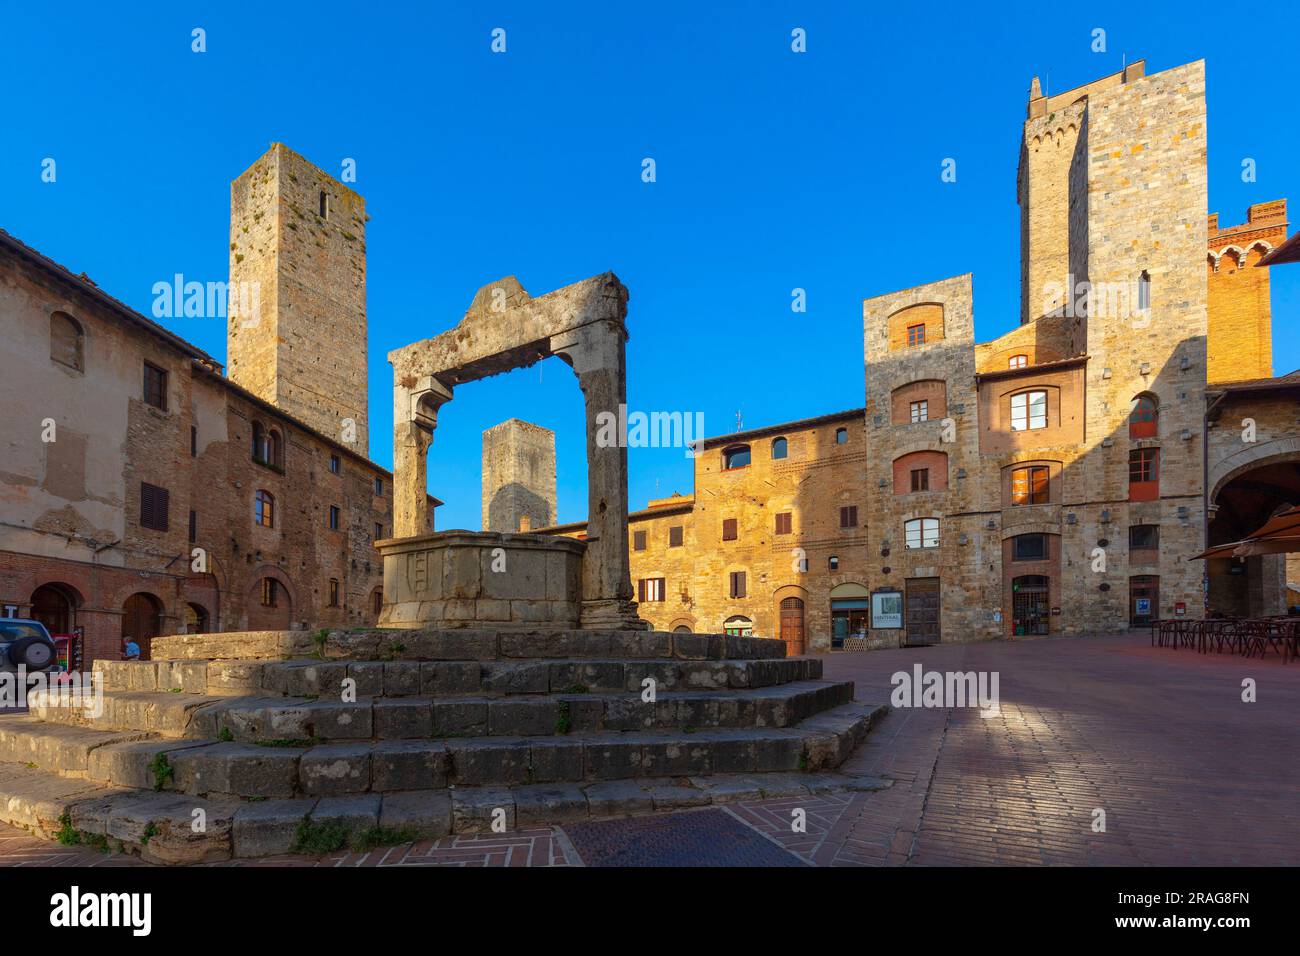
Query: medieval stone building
point(145, 493)
point(1055, 480)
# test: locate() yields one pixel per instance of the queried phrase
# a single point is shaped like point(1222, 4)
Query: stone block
point(269, 827)
point(402, 678)
point(408, 765)
point(444, 678)
point(402, 718)
point(549, 803)
point(425, 814)
point(476, 809)
point(332, 769)
point(453, 718)
point(489, 762)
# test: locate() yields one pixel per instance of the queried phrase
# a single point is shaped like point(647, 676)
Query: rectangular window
point(728, 529)
point(1028, 411)
point(1144, 537)
point(155, 386)
point(921, 533)
point(269, 591)
point(379, 486)
point(920, 479)
point(194, 441)
point(334, 464)
point(334, 592)
point(650, 589)
point(833, 562)
point(784, 523)
point(915, 335)
point(334, 518)
point(737, 584)
point(1144, 474)
point(675, 536)
point(153, 507)
point(194, 526)
point(1029, 547)
point(920, 411)
point(849, 516)
point(1030, 486)
point(379, 531)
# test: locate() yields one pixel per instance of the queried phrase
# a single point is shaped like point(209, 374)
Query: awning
point(1280, 534)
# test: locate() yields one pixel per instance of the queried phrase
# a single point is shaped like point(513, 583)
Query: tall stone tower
point(298, 241)
point(1051, 139)
point(1241, 317)
point(518, 477)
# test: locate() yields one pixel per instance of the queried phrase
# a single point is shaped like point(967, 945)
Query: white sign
point(887, 609)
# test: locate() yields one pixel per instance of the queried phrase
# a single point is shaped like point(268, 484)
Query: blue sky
point(774, 171)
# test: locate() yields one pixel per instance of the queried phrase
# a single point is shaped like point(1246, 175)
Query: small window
point(264, 509)
point(841, 436)
point(334, 592)
point(1028, 411)
point(66, 341)
point(638, 540)
point(1143, 420)
point(675, 536)
point(1144, 474)
point(780, 448)
point(785, 523)
point(729, 529)
point(849, 516)
point(921, 533)
point(194, 441)
point(650, 589)
point(1030, 486)
point(334, 464)
point(1029, 547)
point(379, 531)
point(334, 517)
point(155, 386)
point(915, 335)
point(154, 505)
point(736, 585)
point(833, 562)
point(1144, 537)
point(920, 479)
point(920, 411)
point(270, 592)
point(194, 526)
point(377, 601)
point(737, 457)
point(324, 204)
point(379, 487)
point(1144, 292)
point(1018, 361)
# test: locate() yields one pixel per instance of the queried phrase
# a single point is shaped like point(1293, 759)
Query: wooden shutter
point(638, 540)
point(153, 507)
point(675, 537)
point(728, 529)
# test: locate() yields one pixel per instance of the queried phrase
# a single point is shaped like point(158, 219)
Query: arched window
point(780, 448)
point(274, 449)
point(737, 456)
point(264, 509)
point(738, 625)
point(324, 204)
point(259, 442)
point(921, 533)
point(1028, 411)
point(1018, 361)
point(1143, 421)
point(66, 340)
point(1144, 292)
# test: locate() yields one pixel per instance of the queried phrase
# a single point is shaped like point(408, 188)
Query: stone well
point(482, 579)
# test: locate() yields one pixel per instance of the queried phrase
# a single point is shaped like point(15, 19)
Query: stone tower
point(518, 477)
point(1241, 318)
point(1050, 141)
point(298, 240)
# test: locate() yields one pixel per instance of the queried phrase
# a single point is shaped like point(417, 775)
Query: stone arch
point(1251, 456)
point(686, 621)
point(277, 617)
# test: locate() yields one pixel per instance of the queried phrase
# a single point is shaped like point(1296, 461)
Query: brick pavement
point(1159, 739)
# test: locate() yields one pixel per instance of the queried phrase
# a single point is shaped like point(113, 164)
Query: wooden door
point(921, 618)
point(792, 630)
point(142, 620)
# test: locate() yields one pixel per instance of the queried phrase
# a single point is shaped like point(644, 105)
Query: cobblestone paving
point(1186, 773)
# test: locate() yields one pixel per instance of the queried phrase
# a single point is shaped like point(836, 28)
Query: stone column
point(596, 353)
point(415, 416)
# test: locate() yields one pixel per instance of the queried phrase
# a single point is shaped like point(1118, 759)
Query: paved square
point(1159, 739)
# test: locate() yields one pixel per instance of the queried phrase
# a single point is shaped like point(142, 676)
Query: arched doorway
point(54, 606)
point(1030, 610)
point(142, 620)
point(1253, 586)
point(792, 627)
point(196, 619)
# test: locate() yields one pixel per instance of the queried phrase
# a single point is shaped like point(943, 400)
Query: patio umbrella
point(1218, 551)
point(1288, 522)
point(1270, 544)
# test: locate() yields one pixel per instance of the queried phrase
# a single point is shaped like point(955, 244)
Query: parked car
point(25, 643)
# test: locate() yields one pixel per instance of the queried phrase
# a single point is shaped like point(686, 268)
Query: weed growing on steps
point(161, 769)
point(150, 832)
point(225, 736)
point(563, 719)
point(317, 839)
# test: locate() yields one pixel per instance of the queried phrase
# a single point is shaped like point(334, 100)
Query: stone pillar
point(596, 353)
point(415, 416)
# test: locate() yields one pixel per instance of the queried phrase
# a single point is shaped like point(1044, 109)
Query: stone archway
point(142, 620)
point(504, 329)
point(1244, 494)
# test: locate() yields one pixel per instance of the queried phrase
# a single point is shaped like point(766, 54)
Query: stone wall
point(1241, 320)
point(518, 477)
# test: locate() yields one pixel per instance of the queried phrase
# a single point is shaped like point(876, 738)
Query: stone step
point(314, 677)
point(58, 748)
point(222, 770)
point(462, 645)
point(177, 828)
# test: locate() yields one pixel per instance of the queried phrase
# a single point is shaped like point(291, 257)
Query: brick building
point(145, 493)
point(1054, 480)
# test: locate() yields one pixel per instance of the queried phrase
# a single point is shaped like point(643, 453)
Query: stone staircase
point(294, 741)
